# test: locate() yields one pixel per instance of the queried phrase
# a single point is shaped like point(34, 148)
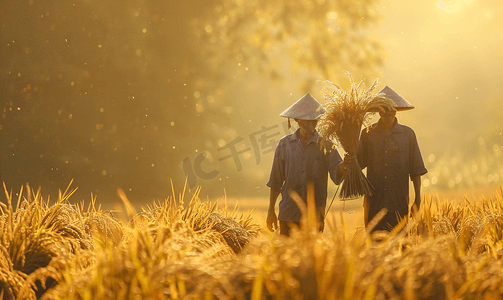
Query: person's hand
point(343, 168)
point(322, 226)
point(348, 158)
point(272, 220)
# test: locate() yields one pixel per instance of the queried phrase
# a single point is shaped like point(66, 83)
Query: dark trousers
point(388, 222)
point(285, 227)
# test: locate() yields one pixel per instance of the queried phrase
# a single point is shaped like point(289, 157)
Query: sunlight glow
point(454, 6)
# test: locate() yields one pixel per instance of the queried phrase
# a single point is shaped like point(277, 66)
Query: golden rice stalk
point(237, 229)
point(31, 236)
point(104, 228)
point(171, 263)
point(12, 283)
point(346, 112)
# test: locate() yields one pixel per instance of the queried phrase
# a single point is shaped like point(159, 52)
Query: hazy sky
point(446, 58)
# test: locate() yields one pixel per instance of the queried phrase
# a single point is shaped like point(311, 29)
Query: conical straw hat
point(306, 108)
point(401, 103)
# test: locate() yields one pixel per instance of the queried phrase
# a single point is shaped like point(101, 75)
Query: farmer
point(390, 153)
point(300, 161)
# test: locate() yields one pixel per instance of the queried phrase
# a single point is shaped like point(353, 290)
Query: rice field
point(187, 248)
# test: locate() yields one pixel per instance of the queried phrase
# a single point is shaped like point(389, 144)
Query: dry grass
point(178, 249)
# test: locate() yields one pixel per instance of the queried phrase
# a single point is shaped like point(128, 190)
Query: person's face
point(388, 117)
point(307, 126)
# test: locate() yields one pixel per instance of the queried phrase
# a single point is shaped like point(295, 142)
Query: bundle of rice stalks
point(346, 112)
point(104, 228)
point(477, 226)
point(11, 281)
point(200, 216)
point(235, 235)
point(32, 235)
point(432, 269)
point(165, 263)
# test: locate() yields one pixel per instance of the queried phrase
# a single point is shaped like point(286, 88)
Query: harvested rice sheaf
point(234, 233)
point(104, 228)
point(346, 112)
point(32, 236)
point(151, 265)
point(200, 216)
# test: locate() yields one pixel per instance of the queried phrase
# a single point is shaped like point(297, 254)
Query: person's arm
point(272, 219)
point(336, 167)
point(417, 169)
point(416, 180)
point(362, 155)
point(276, 181)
